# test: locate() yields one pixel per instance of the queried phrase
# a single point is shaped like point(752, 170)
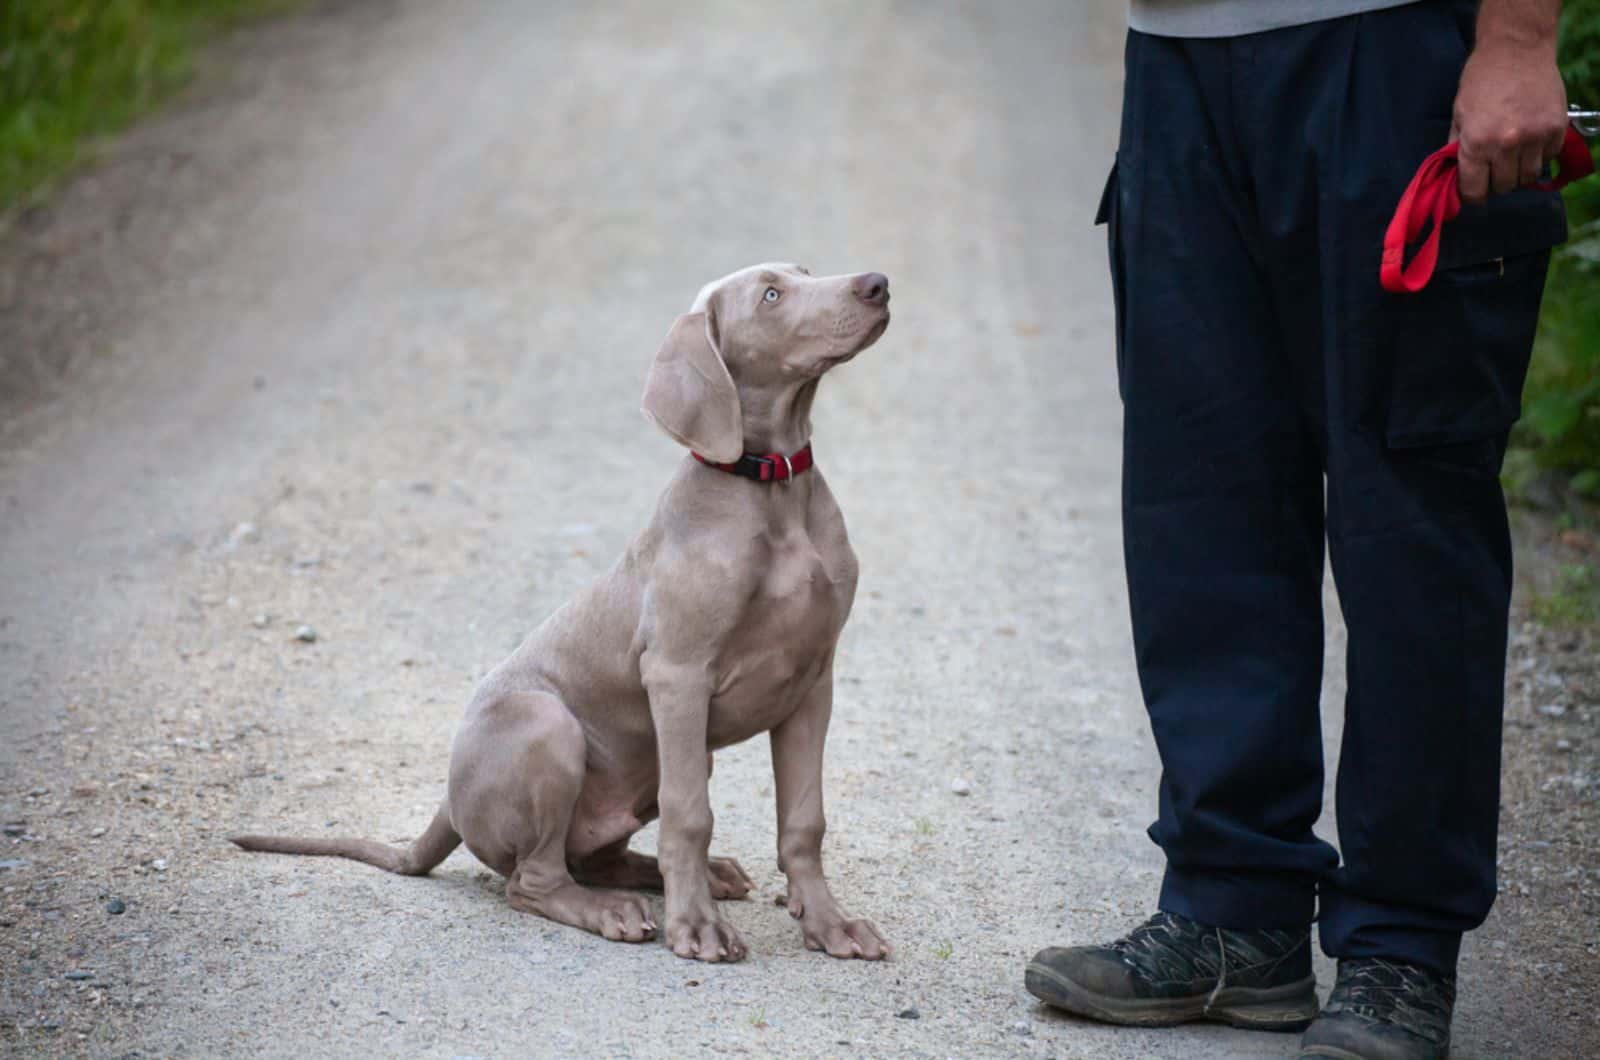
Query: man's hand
point(1511, 107)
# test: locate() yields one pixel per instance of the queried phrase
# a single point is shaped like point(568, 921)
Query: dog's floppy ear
point(689, 393)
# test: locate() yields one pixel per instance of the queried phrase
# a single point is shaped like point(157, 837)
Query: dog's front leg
point(680, 698)
point(797, 766)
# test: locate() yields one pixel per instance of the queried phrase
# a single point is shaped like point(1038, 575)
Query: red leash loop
point(1434, 194)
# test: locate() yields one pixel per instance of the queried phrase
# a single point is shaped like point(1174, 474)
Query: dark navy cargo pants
point(1275, 399)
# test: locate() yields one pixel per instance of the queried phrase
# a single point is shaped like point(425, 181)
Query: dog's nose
point(871, 287)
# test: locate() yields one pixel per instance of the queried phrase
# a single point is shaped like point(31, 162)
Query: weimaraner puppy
point(718, 623)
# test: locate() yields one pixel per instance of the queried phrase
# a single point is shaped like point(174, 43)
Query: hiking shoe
point(1383, 1010)
point(1172, 970)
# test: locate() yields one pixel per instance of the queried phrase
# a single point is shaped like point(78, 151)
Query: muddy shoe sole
point(1290, 1007)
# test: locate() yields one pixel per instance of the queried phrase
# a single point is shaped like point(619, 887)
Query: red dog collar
point(765, 467)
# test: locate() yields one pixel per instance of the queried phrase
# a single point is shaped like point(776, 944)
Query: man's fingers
point(1500, 168)
point(1472, 174)
point(1505, 169)
point(1558, 140)
point(1532, 165)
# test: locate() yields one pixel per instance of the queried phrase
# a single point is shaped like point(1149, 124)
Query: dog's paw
point(618, 917)
point(625, 918)
point(840, 936)
point(728, 879)
point(705, 937)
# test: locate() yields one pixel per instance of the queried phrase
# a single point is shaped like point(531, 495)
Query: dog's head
point(765, 328)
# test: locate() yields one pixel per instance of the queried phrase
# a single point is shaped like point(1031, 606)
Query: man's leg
point(1417, 393)
point(1222, 524)
point(1222, 508)
point(1422, 556)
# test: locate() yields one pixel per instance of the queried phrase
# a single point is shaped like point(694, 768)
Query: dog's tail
point(432, 847)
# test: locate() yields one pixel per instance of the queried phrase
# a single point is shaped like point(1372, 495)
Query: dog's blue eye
point(771, 295)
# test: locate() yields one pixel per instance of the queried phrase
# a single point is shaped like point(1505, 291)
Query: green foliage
point(73, 69)
point(1580, 50)
point(1574, 600)
point(1561, 403)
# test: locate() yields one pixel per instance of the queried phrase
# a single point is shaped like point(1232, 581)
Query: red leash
point(1435, 195)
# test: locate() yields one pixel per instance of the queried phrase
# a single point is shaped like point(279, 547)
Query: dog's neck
point(778, 421)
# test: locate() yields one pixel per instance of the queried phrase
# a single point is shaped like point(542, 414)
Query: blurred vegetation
point(74, 69)
point(1572, 598)
point(1560, 429)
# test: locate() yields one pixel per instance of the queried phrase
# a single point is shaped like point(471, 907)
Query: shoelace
point(1145, 941)
point(1396, 993)
point(1222, 971)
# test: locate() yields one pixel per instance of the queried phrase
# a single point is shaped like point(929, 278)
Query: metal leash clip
point(1586, 122)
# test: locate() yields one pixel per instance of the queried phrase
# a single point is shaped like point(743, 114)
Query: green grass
point(71, 70)
point(1560, 430)
point(1574, 600)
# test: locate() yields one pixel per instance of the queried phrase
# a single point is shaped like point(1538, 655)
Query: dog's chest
point(783, 640)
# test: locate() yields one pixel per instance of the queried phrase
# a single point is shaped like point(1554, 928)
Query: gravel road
point(354, 339)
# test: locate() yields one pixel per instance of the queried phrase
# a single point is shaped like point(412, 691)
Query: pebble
point(243, 534)
point(78, 977)
point(15, 828)
point(1563, 745)
point(305, 634)
point(261, 621)
point(116, 907)
point(961, 786)
point(7, 864)
point(1553, 710)
point(159, 864)
point(1022, 1029)
point(908, 1014)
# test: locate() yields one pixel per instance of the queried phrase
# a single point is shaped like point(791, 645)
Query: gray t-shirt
point(1231, 18)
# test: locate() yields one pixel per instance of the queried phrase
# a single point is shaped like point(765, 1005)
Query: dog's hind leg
point(549, 768)
point(617, 866)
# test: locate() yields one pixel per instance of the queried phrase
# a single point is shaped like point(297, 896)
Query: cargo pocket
point(1108, 215)
point(1461, 345)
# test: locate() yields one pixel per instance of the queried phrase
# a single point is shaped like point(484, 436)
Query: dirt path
point(357, 336)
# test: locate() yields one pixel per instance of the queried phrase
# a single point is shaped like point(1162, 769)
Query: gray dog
point(718, 623)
